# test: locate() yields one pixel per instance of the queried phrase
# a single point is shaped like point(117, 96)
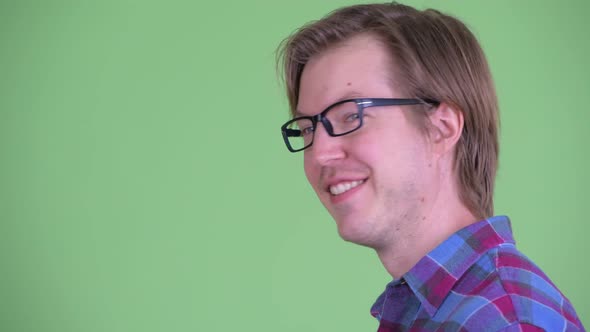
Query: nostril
point(326, 150)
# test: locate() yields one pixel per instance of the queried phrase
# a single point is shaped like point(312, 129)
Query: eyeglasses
point(339, 119)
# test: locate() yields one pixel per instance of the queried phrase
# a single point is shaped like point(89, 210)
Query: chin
point(350, 233)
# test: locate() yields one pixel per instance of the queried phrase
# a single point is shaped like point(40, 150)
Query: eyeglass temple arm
point(292, 132)
point(403, 101)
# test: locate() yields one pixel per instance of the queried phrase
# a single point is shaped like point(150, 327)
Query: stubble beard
point(392, 227)
point(399, 219)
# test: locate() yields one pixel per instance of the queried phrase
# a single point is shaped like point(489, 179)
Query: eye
point(352, 117)
point(306, 131)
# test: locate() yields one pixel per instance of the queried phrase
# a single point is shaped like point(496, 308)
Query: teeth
point(344, 187)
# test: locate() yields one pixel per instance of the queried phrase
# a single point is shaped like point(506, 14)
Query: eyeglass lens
point(343, 118)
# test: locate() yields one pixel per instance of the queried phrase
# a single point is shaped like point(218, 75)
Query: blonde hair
point(436, 57)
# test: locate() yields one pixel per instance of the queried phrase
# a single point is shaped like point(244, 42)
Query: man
point(396, 114)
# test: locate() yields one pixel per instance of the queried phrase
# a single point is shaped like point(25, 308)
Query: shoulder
point(505, 291)
point(526, 327)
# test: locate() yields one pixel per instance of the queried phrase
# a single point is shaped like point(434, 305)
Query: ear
point(446, 127)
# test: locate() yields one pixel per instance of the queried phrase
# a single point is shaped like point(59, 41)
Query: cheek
point(311, 171)
point(374, 147)
point(392, 155)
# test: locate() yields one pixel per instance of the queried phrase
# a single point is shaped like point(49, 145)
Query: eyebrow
point(348, 95)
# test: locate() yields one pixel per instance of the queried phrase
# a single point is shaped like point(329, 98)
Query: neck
point(442, 216)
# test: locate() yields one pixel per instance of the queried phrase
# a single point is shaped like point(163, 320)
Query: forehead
point(359, 67)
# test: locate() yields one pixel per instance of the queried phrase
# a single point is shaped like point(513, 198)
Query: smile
point(344, 187)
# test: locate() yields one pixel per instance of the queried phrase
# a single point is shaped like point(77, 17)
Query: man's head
point(394, 51)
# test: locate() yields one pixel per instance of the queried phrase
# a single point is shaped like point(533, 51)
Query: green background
point(145, 186)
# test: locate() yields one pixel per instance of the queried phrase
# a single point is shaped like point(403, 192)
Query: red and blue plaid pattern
point(476, 280)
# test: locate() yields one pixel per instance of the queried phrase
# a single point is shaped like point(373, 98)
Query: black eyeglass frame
point(361, 104)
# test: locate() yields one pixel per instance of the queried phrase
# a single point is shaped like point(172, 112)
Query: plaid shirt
point(476, 280)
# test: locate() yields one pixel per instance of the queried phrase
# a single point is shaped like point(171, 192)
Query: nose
point(325, 148)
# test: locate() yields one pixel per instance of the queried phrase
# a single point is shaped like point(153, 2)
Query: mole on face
point(349, 83)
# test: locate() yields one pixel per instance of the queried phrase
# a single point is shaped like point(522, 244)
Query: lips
point(344, 186)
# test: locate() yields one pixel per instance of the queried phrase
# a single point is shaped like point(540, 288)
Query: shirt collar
point(434, 276)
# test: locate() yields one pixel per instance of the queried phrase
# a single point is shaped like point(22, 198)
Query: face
point(374, 180)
